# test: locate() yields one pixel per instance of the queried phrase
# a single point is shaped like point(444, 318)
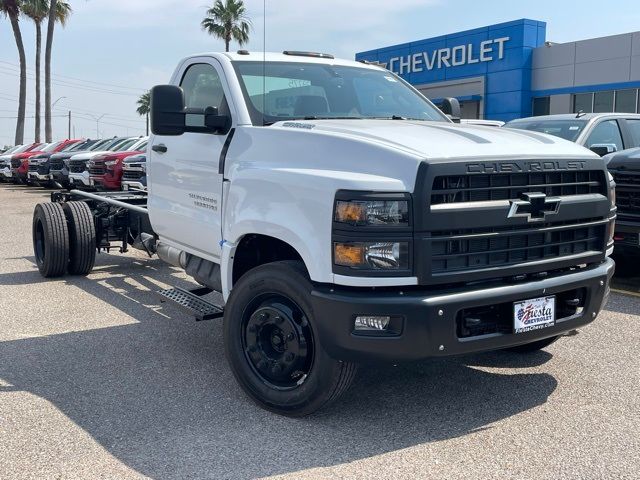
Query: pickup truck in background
point(134, 173)
point(6, 160)
point(79, 175)
point(106, 170)
point(344, 219)
point(39, 165)
point(59, 162)
point(625, 168)
point(20, 162)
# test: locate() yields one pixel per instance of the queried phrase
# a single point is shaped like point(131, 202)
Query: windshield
point(567, 129)
point(121, 147)
point(51, 147)
point(313, 91)
point(101, 144)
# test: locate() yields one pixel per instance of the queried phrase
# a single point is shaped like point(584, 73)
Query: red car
point(20, 161)
point(105, 170)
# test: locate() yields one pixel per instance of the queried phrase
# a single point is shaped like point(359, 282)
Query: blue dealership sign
point(501, 54)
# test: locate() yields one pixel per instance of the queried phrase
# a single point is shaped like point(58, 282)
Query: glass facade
point(623, 101)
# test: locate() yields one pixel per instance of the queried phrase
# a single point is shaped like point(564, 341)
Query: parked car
point(79, 164)
point(105, 170)
point(15, 163)
point(21, 170)
point(134, 173)
point(602, 133)
point(5, 161)
point(39, 165)
point(625, 169)
point(58, 162)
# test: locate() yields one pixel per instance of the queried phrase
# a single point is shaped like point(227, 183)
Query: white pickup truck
point(346, 220)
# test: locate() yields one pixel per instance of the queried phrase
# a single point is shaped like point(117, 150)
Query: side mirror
point(603, 149)
point(167, 110)
point(451, 108)
point(170, 117)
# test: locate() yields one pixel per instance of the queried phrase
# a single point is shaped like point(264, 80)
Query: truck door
point(185, 186)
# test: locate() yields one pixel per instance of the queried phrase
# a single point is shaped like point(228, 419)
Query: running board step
point(191, 300)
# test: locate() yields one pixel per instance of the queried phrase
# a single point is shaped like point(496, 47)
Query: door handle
point(160, 148)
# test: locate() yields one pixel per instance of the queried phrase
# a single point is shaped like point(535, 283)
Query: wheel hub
point(277, 342)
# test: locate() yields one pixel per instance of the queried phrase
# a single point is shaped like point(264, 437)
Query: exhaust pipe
point(171, 255)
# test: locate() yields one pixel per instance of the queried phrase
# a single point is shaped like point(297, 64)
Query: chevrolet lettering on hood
point(524, 166)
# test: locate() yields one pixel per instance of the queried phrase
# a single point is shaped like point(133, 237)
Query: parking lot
point(101, 379)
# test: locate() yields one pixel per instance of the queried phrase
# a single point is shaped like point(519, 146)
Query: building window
point(583, 102)
point(603, 102)
point(541, 106)
point(626, 101)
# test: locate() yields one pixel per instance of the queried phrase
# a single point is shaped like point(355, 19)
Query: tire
point(82, 237)
point(271, 344)
point(50, 239)
point(533, 346)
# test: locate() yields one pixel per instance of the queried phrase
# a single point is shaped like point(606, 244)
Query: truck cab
point(345, 219)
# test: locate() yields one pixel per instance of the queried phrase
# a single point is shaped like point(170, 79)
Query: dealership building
point(510, 70)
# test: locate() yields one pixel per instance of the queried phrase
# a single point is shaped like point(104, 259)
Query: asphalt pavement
point(99, 378)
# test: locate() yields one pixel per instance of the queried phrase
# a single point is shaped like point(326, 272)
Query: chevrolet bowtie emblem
point(534, 206)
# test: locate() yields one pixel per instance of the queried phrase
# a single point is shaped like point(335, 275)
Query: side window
point(607, 132)
point(203, 88)
point(634, 128)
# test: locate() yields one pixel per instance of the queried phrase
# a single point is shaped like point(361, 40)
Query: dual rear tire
point(64, 239)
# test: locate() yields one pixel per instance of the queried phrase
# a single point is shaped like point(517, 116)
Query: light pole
point(54, 104)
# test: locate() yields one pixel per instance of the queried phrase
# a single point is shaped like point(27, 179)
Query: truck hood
point(88, 155)
point(627, 160)
point(428, 139)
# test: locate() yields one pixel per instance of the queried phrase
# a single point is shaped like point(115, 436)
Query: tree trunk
point(22, 99)
point(38, 52)
point(227, 41)
point(47, 70)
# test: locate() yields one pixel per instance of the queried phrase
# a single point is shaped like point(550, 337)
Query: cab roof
point(574, 116)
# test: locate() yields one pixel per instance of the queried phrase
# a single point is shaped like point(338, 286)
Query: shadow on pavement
point(159, 396)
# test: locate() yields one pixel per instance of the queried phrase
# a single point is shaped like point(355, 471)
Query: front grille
point(77, 167)
point(132, 174)
point(97, 170)
point(33, 167)
point(627, 193)
point(43, 169)
point(505, 186)
point(15, 163)
point(473, 249)
point(56, 164)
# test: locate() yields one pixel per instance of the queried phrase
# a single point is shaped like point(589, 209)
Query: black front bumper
point(430, 317)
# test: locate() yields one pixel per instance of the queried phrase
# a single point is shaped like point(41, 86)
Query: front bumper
point(133, 185)
point(38, 177)
point(80, 179)
point(6, 173)
point(430, 317)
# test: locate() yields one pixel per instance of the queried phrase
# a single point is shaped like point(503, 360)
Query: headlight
point(66, 161)
point(372, 212)
point(372, 255)
point(110, 163)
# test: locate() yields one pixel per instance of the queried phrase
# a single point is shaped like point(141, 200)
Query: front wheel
point(272, 346)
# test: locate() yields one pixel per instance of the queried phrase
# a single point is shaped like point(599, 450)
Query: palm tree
point(37, 10)
point(59, 11)
point(228, 21)
point(144, 106)
point(11, 8)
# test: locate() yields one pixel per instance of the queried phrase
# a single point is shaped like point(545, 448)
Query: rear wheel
point(82, 237)
point(272, 345)
point(533, 346)
point(50, 239)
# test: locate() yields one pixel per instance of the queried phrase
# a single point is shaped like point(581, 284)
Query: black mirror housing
point(170, 117)
point(603, 149)
point(167, 110)
point(451, 108)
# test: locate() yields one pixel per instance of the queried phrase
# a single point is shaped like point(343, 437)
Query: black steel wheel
point(50, 239)
point(271, 344)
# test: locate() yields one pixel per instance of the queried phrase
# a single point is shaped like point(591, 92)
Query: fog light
point(371, 323)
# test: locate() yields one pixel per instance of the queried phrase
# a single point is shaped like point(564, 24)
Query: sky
point(111, 51)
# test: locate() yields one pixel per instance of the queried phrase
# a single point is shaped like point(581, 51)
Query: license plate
point(534, 314)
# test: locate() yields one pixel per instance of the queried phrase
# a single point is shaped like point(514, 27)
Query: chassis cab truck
point(346, 220)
